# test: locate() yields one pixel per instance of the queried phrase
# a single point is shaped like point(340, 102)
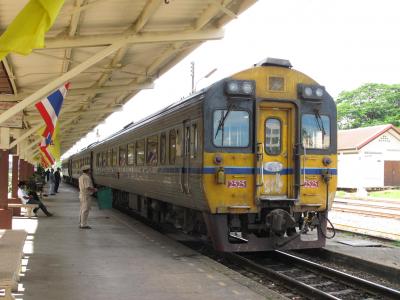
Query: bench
point(11, 251)
point(28, 207)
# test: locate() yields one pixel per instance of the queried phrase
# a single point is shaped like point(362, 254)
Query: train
point(249, 162)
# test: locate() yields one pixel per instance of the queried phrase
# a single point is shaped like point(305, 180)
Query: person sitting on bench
point(32, 198)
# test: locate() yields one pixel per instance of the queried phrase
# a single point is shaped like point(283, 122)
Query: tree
point(369, 105)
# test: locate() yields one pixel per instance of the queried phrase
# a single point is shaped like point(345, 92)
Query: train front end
point(270, 159)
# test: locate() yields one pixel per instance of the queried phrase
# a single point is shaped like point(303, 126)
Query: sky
point(341, 44)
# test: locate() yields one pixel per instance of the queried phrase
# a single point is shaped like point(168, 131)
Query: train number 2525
point(241, 184)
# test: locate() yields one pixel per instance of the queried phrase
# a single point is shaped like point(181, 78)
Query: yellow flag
point(28, 29)
point(54, 147)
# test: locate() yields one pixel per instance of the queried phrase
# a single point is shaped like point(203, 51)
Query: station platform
point(119, 258)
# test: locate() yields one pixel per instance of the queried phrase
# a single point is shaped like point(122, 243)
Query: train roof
point(134, 125)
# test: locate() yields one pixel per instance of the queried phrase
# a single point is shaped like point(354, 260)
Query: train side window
point(179, 146)
point(131, 154)
point(122, 155)
point(140, 152)
point(109, 158)
point(194, 143)
point(273, 135)
point(163, 148)
point(186, 142)
point(172, 146)
point(115, 157)
point(152, 150)
point(105, 159)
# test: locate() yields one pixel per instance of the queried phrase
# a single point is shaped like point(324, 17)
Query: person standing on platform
point(86, 189)
point(57, 178)
point(52, 182)
point(47, 174)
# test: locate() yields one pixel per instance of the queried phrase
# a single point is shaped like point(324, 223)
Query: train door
point(186, 157)
point(274, 141)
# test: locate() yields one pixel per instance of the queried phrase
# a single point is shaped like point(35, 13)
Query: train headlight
point(308, 91)
point(240, 88)
point(232, 87)
point(319, 92)
point(311, 92)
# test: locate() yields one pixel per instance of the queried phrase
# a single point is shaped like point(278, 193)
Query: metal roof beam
point(25, 135)
point(94, 90)
point(10, 74)
point(93, 111)
point(129, 38)
point(60, 80)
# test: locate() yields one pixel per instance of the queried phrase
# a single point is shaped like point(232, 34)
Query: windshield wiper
point(319, 119)
point(222, 120)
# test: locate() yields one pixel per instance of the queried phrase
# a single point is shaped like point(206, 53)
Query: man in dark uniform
point(57, 176)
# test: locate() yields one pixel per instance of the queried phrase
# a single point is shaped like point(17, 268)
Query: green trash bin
point(104, 198)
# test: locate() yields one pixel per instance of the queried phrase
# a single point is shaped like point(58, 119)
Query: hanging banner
point(16, 120)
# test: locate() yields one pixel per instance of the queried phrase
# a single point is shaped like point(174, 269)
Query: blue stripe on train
point(243, 171)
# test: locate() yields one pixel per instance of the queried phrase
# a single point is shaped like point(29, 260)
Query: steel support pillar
point(5, 213)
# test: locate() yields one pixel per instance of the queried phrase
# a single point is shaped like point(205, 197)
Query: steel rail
point(354, 281)
point(367, 213)
point(304, 289)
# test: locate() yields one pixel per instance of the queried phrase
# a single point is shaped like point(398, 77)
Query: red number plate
point(239, 184)
point(311, 184)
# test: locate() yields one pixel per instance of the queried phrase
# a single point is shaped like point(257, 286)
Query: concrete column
point(5, 213)
point(22, 170)
point(14, 184)
point(14, 181)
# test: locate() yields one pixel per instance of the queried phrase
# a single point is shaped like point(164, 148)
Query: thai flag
point(50, 107)
point(46, 141)
point(48, 155)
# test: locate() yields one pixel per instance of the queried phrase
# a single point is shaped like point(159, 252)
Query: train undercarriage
point(271, 229)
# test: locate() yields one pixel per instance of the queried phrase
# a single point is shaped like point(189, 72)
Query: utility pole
point(205, 76)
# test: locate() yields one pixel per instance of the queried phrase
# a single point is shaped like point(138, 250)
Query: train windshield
point(315, 131)
point(231, 128)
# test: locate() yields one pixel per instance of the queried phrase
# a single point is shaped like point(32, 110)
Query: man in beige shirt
point(86, 190)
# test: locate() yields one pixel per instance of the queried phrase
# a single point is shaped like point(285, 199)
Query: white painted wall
point(366, 168)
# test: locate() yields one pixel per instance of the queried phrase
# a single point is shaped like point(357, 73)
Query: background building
point(369, 157)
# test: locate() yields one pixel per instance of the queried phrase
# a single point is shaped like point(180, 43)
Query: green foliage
point(389, 194)
point(369, 105)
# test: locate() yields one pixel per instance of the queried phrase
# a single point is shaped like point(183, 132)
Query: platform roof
point(109, 50)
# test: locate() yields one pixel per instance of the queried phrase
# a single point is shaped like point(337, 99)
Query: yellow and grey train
point(250, 161)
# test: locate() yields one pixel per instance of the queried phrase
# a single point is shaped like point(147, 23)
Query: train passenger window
point(109, 158)
point(172, 146)
point(114, 157)
point(140, 152)
point(163, 148)
point(273, 128)
point(178, 143)
point(187, 142)
point(131, 154)
point(231, 128)
point(104, 159)
point(152, 150)
point(122, 155)
point(194, 141)
point(315, 131)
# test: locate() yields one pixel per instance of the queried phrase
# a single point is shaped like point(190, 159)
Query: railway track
point(311, 280)
point(379, 208)
point(292, 276)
